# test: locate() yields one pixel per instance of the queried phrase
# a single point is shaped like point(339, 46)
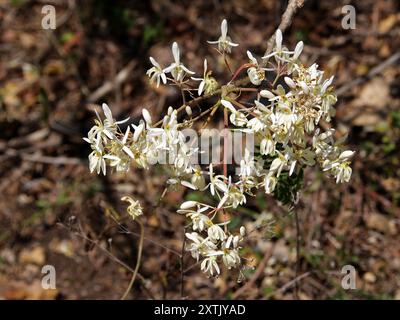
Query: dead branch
point(121, 77)
point(286, 21)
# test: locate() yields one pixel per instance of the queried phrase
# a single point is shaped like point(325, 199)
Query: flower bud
point(146, 116)
point(304, 86)
point(298, 50)
point(267, 94)
point(256, 76)
point(189, 111)
point(346, 155)
point(188, 204)
point(290, 82)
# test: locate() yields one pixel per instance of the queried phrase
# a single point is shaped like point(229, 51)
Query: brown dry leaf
point(27, 40)
point(385, 51)
point(388, 23)
point(369, 277)
point(35, 256)
point(378, 222)
point(375, 94)
point(373, 97)
point(153, 221)
point(391, 184)
point(17, 290)
point(54, 67)
point(10, 94)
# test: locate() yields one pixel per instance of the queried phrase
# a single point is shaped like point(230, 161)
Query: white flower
point(224, 42)
point(198, 179)
point(232, 196)
point(134, 209)
point(177, 69)
point(97, 161)
point(216, 182)
point(270, 183)
point(102, 131)
point(199, 245)
point(278, 163)
point(267, 145)
point(231, 258)
point(237, 118)
point(216, 233)
point(282, 53)
point(209, 265)
point(156, 73)
point(247, 164)
point(256, 73)
point(342, 172)
point(202, 80)
point(284, 115)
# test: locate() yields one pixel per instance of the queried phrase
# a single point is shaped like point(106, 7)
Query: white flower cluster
point(283, 119)
point(209, 241)
point(144, 146)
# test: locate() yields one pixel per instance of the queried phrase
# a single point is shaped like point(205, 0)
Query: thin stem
point(182, 265)
point(214, 109)
point(183, 96)
point(226, 124)
point(199, 116)
point(240, 69)
point(225, 164)
point(240, 106)
point(227, 64)
point(296, 285)
point(126, 231)
point(190, 103)
point(139, 256)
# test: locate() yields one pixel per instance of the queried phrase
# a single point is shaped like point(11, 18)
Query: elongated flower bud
point(146, 116)
point(188, 204)
point(267, 94)
point(298, 50)
point(189, 111)
point(290, 82)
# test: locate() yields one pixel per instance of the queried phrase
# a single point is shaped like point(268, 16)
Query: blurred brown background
point(53, 211)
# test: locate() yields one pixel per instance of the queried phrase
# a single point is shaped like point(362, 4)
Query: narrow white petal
point(146, 116)
point(224, 28)
point(188, 185)
point(175, 52)
point(278, 39)
point(298, 50)
point(128, 152)
point(228, 105)
point(107, 111)
point(126, 135)
point(201, 87)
